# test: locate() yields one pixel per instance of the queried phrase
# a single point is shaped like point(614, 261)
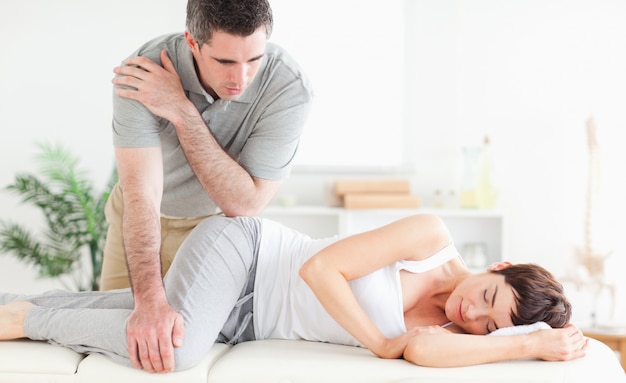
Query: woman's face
point(481, 303)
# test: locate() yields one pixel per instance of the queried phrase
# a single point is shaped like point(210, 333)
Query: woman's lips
point(461, 312)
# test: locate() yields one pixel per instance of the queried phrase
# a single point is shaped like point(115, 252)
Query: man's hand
point(153, 331)
point(158, 88)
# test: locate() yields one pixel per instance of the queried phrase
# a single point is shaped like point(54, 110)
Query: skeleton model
point(590, 257)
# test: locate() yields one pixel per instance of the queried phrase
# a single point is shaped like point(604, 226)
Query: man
point(206, 122)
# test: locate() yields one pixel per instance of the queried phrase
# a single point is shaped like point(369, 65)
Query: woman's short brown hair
point(539, 296)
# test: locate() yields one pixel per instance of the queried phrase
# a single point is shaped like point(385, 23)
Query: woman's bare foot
point(12, 317)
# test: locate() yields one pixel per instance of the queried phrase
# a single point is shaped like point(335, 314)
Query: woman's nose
point(474, 312)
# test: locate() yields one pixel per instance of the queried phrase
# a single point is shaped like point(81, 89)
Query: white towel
point(521, 329)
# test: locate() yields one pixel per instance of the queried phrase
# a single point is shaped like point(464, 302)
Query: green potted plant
point(74, 213)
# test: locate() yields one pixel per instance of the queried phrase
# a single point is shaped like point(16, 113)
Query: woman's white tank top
point(286, 308)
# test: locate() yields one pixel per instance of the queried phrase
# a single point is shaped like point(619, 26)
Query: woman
point(401, 291)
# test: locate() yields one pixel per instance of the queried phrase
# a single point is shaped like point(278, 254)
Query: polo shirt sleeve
point(134, 126)
point(270, 149)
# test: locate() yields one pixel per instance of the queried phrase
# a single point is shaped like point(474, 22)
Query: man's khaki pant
point(114, 266)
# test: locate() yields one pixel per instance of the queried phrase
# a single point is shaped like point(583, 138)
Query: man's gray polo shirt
point(260, 130)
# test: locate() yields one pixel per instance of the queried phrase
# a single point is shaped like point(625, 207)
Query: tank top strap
point(439, 258)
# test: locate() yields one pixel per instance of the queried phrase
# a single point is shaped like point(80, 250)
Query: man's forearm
point(142, 241)
point(224, 180)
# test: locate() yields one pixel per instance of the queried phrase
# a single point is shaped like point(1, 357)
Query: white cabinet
point(316, 221)
point(471, 229)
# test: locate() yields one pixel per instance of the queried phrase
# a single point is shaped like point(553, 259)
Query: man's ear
point(498, 266)
point(191, 42)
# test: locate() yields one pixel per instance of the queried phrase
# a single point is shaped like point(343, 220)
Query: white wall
point(55, 85)
point(529, 73)
point(526, 72)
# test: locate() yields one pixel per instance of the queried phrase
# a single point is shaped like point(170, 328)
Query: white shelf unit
point(467, 226)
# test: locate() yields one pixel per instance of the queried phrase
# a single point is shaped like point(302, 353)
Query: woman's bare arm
point(328, 273)
point(454, 350)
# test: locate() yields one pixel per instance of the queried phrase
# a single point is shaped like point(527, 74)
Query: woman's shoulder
point(446, 254)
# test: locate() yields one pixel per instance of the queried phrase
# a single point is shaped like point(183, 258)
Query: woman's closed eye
point(490, 326)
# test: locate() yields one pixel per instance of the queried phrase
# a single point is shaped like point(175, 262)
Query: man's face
point(228, 63)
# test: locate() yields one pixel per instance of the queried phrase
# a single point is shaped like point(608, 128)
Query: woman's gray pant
point(210, 283)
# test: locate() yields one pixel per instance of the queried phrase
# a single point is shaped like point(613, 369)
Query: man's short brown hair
point(235, 17)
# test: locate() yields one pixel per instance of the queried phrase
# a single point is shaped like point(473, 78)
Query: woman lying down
point(402, 291)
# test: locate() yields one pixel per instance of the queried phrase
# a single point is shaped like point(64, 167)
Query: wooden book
point(380, 200)
point(343, 187)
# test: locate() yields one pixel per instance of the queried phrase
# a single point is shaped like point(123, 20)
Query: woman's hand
point(393, 348)
point(565, 343)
